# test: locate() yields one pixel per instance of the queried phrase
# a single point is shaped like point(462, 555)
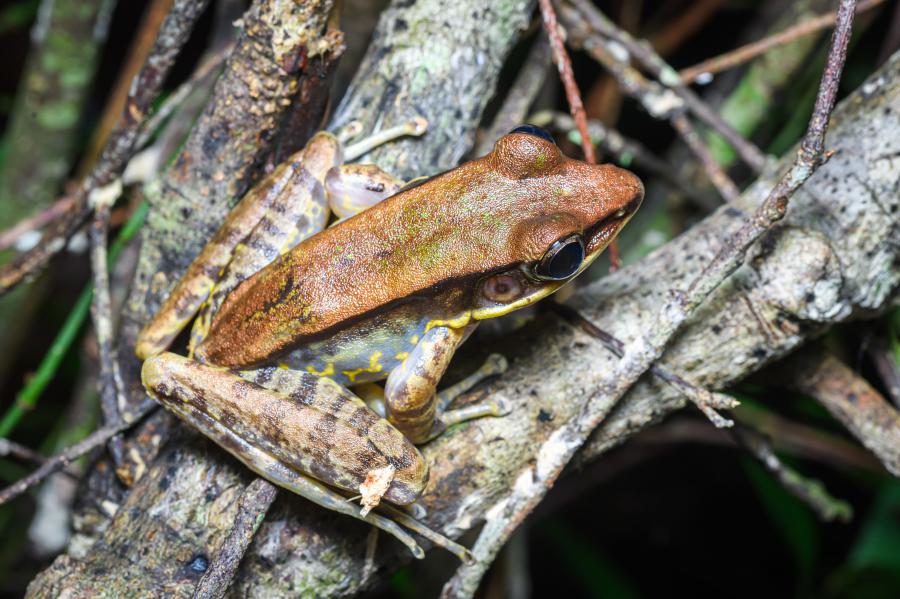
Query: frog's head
point(576, 210)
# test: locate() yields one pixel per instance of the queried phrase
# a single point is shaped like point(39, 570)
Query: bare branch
point(666, 75)
point(748, 52)
point(852, 401)
point(811, 492)
point(657, 100)
point(56, 463)
point(255, 502)
point(119, 147)
point(520, 96)
point(641, 353)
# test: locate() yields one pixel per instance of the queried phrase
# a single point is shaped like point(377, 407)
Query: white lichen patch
point(554, 452)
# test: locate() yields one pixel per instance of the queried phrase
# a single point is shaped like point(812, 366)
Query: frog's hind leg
point(297, 210)
point(197, 283)
point(309, 424)
point(295, 384)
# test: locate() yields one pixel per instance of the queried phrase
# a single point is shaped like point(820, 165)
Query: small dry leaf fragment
point(374, 487)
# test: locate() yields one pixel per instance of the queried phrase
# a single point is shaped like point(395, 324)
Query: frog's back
point(457, 226)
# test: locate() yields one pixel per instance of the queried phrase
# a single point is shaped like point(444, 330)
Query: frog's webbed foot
point(493, 365)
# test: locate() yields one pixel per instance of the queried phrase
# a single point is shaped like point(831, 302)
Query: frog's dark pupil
point(562, 263)
point(534, 130)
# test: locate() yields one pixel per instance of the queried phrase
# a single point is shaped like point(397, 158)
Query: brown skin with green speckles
point(488, 215)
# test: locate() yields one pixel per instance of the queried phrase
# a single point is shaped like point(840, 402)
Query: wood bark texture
point(834, 258)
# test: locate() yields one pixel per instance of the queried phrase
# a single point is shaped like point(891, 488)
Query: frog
point(329, 279)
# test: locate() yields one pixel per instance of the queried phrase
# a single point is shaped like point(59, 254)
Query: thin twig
point(787, 437)
point(573, 96)
point(852, 401)
point(255, 502)
point(706, 401)
point(34, 222)
point(640, 354)
point(714, 170)
point(657, 100)
point(119, 147)
point(887, 368)
point(666, 75)
point(143, 43)
point(564, 65)
point(26, 454)
point(748, 52)
point(174, 100)
point(16, 450)
point(110, 380)
point(56, 463)
point(27, 398)
point(812, 492)
point(684, 25)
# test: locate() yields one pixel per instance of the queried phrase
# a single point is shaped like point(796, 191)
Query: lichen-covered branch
point(852, 401)
point(828, 261)
point(44, 129)
point(47, 113)
point(437, 60)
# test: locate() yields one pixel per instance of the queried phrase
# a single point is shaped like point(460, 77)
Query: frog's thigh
point(352, 188)
point(297, 210)
point(175, 382)
point(323, 430)
point(197, 283)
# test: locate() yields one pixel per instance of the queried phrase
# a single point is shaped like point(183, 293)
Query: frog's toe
point(502, 407)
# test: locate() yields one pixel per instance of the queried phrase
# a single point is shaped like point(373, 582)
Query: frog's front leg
point(412, 403)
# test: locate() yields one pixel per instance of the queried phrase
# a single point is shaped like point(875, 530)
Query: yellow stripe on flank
point(402, 355)
point(374, 366)
point(454, 323)
point(328, 371)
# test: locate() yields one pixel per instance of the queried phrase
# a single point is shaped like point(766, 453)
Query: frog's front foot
point(447, 417)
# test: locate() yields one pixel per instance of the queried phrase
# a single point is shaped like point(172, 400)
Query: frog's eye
point(534, 130)
point(562, 260)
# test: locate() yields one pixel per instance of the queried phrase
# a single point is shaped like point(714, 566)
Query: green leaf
point(878, 544)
